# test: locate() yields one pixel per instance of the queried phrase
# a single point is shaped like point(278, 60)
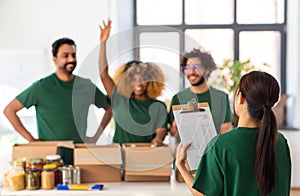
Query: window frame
point(236, 27)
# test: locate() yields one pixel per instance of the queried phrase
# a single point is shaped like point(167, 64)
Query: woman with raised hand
point(253, 158)
point(138, 115)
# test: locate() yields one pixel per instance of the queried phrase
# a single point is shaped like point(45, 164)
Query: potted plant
point(227, 76)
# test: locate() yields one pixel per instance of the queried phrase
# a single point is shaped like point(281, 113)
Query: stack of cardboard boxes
point(106, 163)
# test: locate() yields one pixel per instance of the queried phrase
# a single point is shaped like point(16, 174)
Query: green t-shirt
point(227, 168)
point(62, 107)
point(218, 103)
point(137, 120)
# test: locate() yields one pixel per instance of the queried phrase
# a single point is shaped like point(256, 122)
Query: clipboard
point(195, 124)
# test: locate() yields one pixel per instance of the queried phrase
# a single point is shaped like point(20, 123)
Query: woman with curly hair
point(138, 115)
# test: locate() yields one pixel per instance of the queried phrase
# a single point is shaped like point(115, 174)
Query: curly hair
point(206, 59)
point(151, 73)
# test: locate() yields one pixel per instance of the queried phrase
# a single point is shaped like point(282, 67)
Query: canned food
point(76, 175)
point(67, 174)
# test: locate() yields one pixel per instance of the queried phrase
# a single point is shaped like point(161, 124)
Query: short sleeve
point(29, 96)
point(170, 114)
point(228, 115)
point(209, 176)
point(101, 100)
point(165, 125)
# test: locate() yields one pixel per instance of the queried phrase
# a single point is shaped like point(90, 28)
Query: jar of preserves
point(57, 173)
point(47, 178)
point(32, 179)
point(36, 163)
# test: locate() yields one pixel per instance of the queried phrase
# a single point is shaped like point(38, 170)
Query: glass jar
point(32, 179)
point(36, 163)
point(47, 179)
point(14, 178)
point(57, 173)
point(20, 162)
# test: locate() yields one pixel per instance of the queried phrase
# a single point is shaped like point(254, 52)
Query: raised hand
point(105, 30)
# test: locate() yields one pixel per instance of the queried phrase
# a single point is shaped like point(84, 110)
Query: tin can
point(67, 174)
point(76, 175)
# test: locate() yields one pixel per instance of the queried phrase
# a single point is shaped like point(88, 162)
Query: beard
point(201, 81)
point(70, 70)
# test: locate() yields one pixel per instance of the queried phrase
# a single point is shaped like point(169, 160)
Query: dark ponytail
point(261, 90)
point(265, 160)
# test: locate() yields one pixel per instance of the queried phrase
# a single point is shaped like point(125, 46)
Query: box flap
point(29, 151)
point(39, 149)
point(146, 159)
point(67, 144)
point(90, 154)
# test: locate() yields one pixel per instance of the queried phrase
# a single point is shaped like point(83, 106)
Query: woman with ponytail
point(253, 158)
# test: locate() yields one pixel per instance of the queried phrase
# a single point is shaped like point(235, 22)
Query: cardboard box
point(98, 163)
point(39, 149)
point(142, 162)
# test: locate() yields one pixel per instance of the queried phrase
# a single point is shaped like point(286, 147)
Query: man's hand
point(157, 141)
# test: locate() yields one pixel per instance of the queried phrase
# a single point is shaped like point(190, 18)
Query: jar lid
point(53, 157)
point(31, 170)
point(36, 160)
point(20, 159)
point(50, 166)
point(47, 169)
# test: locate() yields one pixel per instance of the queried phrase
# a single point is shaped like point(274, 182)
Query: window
point(229, 29)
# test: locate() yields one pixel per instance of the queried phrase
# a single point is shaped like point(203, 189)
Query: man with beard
point(197, 66)
point(61, 101)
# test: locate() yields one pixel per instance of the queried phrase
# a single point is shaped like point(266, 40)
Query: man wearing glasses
point(197, 66)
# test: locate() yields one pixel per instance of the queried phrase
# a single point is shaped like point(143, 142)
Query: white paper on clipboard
point(195, 126)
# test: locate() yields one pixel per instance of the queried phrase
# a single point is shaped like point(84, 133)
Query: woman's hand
point(105, 30)
point(181, 154)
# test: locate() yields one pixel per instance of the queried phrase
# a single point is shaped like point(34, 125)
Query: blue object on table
point(62, 187)
point(97, 187)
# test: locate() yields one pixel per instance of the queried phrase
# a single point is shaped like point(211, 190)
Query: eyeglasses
point(188, 67)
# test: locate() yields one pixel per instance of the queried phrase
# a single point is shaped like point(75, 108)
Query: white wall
point(29, 27)
point(293, 62)
point(35, 24)
point(293, 138)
